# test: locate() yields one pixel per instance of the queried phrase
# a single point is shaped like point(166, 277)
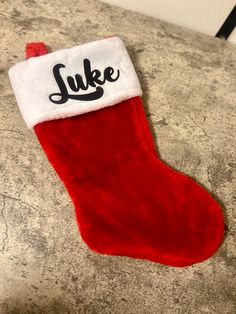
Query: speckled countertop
point(189, 84)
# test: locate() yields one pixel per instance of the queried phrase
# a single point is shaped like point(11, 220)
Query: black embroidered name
point(93, 78)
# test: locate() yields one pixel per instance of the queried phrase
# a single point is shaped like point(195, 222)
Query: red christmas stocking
point(84, 106)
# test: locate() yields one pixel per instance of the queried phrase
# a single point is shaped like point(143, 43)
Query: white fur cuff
point(74, 81)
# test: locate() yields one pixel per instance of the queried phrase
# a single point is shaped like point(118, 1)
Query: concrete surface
point(189, 83)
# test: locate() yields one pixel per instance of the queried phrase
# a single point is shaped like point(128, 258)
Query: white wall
point(206, 16)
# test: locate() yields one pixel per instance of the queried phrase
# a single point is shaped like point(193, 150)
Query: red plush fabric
point(127, 202)
point(35, 50)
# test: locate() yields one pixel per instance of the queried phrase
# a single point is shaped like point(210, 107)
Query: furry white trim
point(105, 77)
